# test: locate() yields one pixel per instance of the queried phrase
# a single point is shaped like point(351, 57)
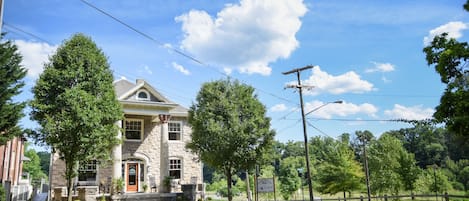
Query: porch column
point(164, 119)
point(117, 155)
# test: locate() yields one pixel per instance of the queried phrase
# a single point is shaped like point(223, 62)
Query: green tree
point(408, 170)
point(340, 172)
point(76, 106)
point(289, 175)
point(11, 74)
point(230, 131)
point(428, 143)
point(45, 161)
point(383, 158)
point(33, 166)
point(431, 180)
point(449, 57)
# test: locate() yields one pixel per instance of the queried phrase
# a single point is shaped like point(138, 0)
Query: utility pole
point(366, 171)
point(300, 88)
point(1, 15)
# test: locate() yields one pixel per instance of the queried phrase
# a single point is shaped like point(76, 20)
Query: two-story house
point(154, 134)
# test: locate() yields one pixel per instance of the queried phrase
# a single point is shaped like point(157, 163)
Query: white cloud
point(344, 109)
point(278, 108)
point(381, 67)
point(349, 82)
point(245, 36)
point(180, 68)
point(228, 71)
point(147, 69)
point(416, 112)
point(35, 55)
point(385, 80)
point(454, 30)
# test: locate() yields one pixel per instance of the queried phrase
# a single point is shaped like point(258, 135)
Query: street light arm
point(315, 109)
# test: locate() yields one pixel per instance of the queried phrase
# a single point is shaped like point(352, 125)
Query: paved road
point(40, 197)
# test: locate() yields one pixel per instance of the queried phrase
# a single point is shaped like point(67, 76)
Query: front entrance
point(132, 177)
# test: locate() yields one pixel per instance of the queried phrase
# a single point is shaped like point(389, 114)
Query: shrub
point(3, 196)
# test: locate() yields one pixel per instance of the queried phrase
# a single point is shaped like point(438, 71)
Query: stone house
point(154, 134)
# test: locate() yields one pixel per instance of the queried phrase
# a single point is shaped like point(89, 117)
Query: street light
point(337, 101)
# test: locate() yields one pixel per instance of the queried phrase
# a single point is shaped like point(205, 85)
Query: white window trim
point(142, 129)
point(143, 99)
point(181, 170)
point(88, 183)
point(181, 133)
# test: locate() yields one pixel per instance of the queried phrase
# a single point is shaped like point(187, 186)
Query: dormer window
point(143, 95)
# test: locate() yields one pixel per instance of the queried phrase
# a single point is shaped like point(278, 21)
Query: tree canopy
point(340, 172)
point(450, 57)
point(76, 106)
point(11, 74)
point(230, 131)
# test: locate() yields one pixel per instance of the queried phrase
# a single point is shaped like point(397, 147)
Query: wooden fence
point(427, 197)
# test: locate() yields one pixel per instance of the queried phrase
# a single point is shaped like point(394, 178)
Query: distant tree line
point(421, 159)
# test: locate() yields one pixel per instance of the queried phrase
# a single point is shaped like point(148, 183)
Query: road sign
point(265, 185)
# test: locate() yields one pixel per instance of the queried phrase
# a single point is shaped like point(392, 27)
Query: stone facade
point(149, 155)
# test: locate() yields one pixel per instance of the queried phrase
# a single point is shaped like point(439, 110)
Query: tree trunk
point(229, 184)
point(345, 196)
point(248, 187)
point(69, 176)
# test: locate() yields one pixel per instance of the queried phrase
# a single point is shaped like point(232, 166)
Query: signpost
point(266, 185)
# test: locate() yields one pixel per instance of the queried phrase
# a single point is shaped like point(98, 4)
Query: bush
point(224, 191)
point(457, 186)
point(3, 195)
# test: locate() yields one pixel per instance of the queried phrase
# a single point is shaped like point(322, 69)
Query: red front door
point(132, 177)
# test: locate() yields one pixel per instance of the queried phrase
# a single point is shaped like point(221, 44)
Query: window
point(174, 130)
point(175, 168)
point(143, 95)
point(133, 129)
point(87, 172)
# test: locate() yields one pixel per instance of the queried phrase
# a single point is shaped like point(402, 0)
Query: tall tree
point(340, 172)
point(76, 106)
point(449, 57)
point(11, 74)
point(230, 131)
point(388, 161)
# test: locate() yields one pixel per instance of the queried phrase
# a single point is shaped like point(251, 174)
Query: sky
point(365, 53)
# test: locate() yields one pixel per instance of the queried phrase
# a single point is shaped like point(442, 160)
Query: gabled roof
point(126, 92)
point(124, 89)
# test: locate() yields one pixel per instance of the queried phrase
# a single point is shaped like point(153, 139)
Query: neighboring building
point(11, 167)
point(154, 134)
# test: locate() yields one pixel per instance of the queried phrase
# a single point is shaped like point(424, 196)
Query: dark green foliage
point(449, 57)
point(76, 106)
point(426, 142)
point(230, 130)
point(11, 74)
point(45, 161)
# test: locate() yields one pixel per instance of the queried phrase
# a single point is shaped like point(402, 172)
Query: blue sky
point(367, 53)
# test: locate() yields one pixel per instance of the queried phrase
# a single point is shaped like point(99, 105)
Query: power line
point(175, 50)
point(9, 26)
point(143, 34)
